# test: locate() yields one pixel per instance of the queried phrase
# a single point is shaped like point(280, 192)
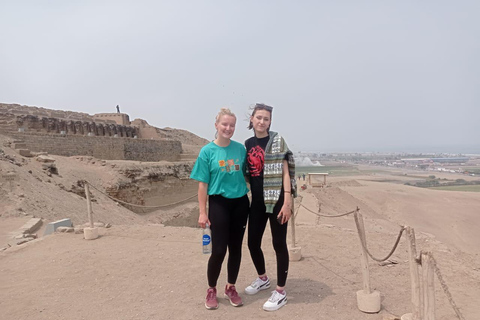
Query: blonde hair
point(224, 112)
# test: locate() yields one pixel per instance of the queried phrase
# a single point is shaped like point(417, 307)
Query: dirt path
point(156, 272)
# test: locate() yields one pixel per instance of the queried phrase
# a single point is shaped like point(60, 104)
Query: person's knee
point(253, 244)
point(219, 253)
point(280, 246)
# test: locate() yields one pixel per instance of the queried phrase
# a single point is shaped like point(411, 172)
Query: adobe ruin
point(109, 136)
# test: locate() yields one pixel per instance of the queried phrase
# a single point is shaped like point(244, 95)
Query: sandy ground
point(156, 272)
point(140, 269)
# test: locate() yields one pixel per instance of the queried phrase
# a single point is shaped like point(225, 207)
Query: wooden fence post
point(367, 301)
point(89, 205)
point(295, 253)
point(92, 232)
point(364, 257)
point(428, 286)
point(414, 275)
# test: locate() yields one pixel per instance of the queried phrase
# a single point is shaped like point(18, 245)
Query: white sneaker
point(257, 285)
point(276, 301)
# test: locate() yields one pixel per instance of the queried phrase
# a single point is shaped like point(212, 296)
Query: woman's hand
point(203, 220)
point(286, 212)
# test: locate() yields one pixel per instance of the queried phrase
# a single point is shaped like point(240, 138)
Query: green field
point(474, 170)
point(468, 188)
point(341, 170)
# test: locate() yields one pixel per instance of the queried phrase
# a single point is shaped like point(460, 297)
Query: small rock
point(65, 229)
point(44, 158)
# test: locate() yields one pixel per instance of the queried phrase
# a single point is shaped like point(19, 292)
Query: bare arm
point(202, 203)
point(286, 211)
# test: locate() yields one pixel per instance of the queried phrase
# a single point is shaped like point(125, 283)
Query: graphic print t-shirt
point(255, 162)
point(222, 168)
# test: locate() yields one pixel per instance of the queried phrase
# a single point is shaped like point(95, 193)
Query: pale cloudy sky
point(341, 75)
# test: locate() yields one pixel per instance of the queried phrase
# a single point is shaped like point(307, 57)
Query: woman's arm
point(202, 203)
point(286, 211)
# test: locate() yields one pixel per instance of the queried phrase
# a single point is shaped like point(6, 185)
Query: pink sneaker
point(232, 295)
point(211, 302)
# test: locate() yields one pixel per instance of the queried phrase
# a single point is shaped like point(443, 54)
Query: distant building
point(451, 160)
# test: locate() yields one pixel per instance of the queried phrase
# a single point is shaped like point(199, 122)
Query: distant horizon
point(466, 150)
point(446, 149)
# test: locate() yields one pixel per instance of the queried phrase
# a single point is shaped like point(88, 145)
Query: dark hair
point(255, 108)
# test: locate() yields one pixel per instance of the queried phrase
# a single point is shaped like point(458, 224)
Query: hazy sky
point(341, 75)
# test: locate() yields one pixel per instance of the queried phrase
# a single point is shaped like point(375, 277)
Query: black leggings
point(257, 221)
point(228, 218)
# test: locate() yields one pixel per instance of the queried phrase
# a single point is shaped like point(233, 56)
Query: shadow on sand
point(299, 290)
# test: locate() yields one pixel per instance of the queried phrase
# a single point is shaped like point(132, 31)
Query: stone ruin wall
point(107, 148)
point(118, 118)
point(74, 133)
point(30, 123)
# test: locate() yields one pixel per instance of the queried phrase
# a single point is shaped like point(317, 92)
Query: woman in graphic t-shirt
point(219, 170)
point(271, 170)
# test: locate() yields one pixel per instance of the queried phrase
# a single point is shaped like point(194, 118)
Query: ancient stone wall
point(31, 123)
point(118, 118)
point(74, 133)
point(108, 148)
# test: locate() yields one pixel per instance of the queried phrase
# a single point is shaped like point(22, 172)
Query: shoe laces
point(211, 294)
point(232, 291)
point(275, 296)
point(257, 282)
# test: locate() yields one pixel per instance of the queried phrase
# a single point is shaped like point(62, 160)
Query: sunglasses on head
point(261, 106)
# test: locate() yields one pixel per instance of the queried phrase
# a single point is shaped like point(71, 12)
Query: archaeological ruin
point(108, 136)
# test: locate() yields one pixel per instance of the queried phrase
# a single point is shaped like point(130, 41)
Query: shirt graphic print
point(256, 160)
point(229, 165)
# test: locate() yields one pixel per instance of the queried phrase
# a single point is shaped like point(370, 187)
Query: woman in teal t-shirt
point(219, 170)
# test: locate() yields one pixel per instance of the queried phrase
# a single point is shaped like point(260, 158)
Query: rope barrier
point(328, 216)
point(445, 289)
point(137, 205)
point(364, 240)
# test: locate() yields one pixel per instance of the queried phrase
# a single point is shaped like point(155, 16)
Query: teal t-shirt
point(222, 168)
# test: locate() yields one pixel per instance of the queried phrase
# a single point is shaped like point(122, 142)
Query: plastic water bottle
point(207, 240)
